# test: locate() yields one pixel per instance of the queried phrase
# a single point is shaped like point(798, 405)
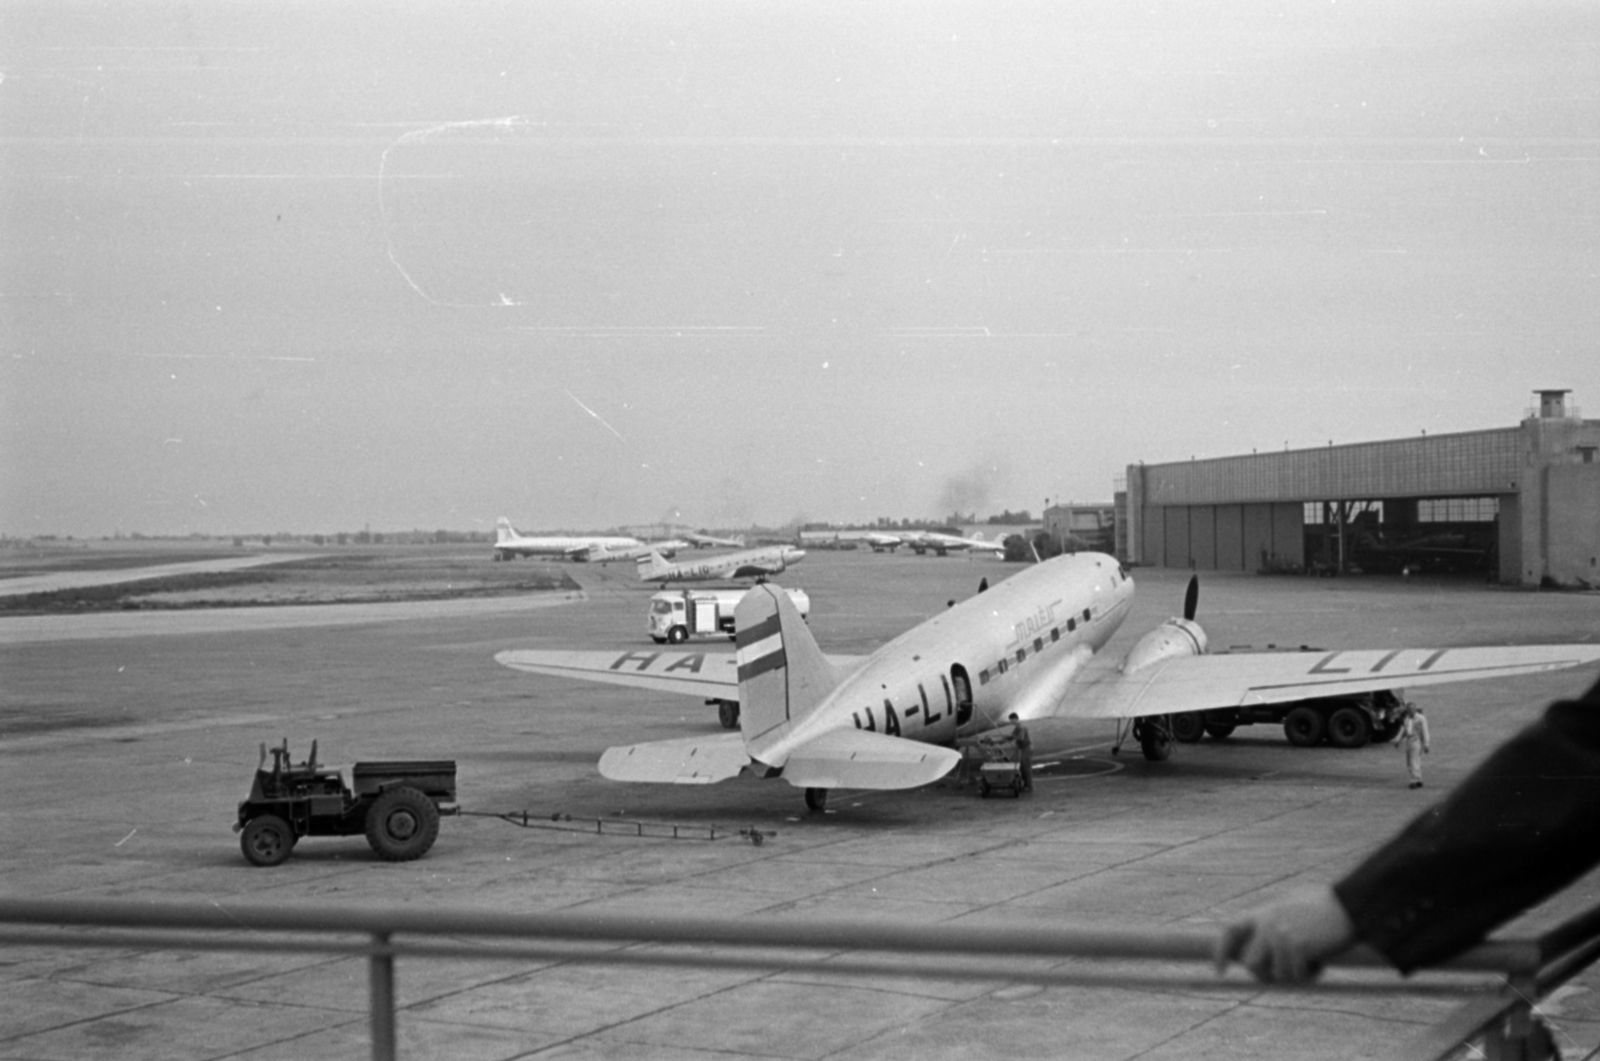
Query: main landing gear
point(1154, 734)
point(816, 800)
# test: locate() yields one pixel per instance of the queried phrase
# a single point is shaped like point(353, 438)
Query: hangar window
point(1458, 509)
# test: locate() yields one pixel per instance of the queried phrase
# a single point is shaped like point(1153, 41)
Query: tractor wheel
point(402, 824)
point(1305, 727)
point(267, 840)
point(728, 713)
point(1188, 726)
point(816, 799)
point(1349, 728)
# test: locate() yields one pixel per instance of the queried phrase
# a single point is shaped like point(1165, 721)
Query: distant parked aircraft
point(706, 541)
point(636, 553)
point(751, 563)
point(923, 542)
point(508, 544)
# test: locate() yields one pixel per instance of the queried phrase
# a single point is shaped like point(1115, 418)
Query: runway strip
point(30, 629)
point(60, 580)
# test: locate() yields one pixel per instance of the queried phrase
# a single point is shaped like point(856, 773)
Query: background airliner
point(508, 544)
point(751, 563)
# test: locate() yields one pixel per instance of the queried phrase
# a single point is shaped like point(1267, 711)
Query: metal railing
point(1501, 980)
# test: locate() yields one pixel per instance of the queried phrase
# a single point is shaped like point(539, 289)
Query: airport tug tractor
point(396, 804)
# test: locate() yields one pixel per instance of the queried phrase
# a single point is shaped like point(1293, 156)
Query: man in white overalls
point(1413, 736)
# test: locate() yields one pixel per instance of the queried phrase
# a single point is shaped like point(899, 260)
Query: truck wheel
point(402, 824)
point(1188, 726)
point(728, 713)
point(678, 635)
point(1305, 727)
point(1219, 730)
point(816, 800)
point(267, 840)
point(1349, 728)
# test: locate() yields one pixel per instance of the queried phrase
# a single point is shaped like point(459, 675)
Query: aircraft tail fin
point(783, 675)
point(503, 531)
point(651, 565)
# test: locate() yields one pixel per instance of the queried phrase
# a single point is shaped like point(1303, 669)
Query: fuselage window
point(1086, 615)
point(1038, 644)
point(1022, 654)
point(1072, 624)
point(1055, 633)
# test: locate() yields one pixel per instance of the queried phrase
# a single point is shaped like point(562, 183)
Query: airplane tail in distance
point(651, 566)
point(783, 675)
point(503, 531)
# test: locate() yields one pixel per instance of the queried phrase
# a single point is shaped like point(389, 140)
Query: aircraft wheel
point(816, 799)
point(1349, 728)
point(1155, 741)
point(728, 713)
point(1305, 727)
point(402, 824)
point(983, 788)
point(1219, 730)
point(1188, 726)
point(678, 635)
point(267, 840)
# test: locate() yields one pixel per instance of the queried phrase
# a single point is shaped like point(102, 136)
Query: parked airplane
point(635, 553)
point(706, 541)
point(751, 563)
point(878, 540)
point(508, 544)
point(1026, 646)
point(922, 542)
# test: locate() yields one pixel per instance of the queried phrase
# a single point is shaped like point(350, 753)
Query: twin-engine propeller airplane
point(751, 563)
point(1027, 646)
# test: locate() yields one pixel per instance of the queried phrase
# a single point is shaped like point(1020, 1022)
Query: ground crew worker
point(1024, 743)
point(1413, 736)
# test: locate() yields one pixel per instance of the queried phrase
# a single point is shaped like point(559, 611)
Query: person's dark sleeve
point(1521, 827)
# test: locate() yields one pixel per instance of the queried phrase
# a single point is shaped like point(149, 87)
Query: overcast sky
point(275, 266)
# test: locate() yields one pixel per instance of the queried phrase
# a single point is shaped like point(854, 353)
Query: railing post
point(380, 978)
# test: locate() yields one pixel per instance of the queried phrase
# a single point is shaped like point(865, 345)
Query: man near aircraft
point(1517, 830)
point(1413, 737)
point(1024, 742)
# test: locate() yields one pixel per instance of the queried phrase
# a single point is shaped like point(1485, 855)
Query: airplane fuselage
point(984, 651)
point(755, 563)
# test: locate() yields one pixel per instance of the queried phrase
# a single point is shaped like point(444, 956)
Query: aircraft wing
point(687, 761)
point(1196, 683)
point(709, 675)
point(854, 758)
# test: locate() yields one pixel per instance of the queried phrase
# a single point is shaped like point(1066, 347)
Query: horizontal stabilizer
point(854, 758)
point(690, 761)
point(708, 674)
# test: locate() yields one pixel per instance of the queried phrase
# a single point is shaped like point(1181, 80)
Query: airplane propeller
point(1191, 598)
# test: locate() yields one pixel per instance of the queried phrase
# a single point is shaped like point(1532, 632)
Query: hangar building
point(1519, 504)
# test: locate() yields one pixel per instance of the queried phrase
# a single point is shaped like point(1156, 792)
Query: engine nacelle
point(1173, 638)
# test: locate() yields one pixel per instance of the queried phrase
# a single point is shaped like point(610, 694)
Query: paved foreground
point(122, 757)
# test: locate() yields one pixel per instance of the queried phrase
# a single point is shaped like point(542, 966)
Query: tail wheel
point(402, 824)
point(1305, 727)
point(816, 799)
point(1349, 728)
point(1188, 726)
point(266, 840)
point(728, 713)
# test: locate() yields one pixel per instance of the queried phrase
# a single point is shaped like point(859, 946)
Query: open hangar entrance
point(1517, 505)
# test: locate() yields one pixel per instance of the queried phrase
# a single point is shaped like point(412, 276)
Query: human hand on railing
point(1286, 941)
